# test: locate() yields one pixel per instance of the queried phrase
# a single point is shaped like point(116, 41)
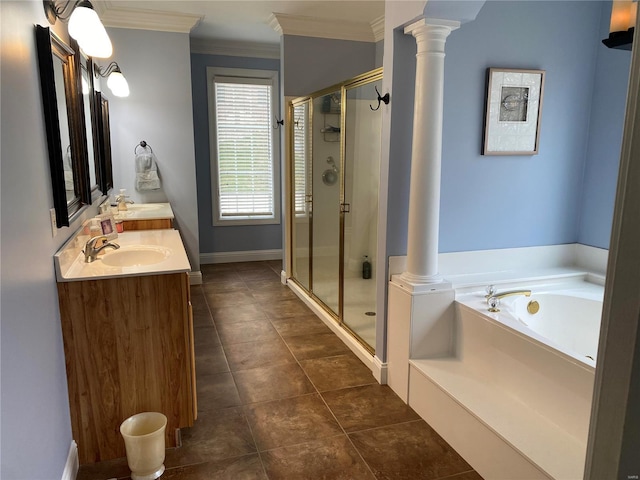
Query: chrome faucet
point(90, 250)
point(494, 299)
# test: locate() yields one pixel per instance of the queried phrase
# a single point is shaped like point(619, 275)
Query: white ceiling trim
point(377, 25)
point(234, 49)
point(119, 17)
point(304, 26)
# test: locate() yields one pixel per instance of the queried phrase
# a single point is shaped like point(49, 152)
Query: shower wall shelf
point(331, 132)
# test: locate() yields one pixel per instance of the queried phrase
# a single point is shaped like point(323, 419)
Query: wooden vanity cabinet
point(154, 224)
point(128, 346)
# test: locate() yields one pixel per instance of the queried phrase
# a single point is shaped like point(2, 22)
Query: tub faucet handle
point(493, 304)
point(491, 290)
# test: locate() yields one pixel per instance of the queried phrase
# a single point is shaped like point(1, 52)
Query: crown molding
point(304, 26)
point(122, 17)
point(377, 26)
point(234, 49)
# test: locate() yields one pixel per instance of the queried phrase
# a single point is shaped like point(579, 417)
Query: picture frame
point(513, 111)
point(108, 226)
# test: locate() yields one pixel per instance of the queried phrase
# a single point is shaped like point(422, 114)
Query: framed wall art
point(513, 111)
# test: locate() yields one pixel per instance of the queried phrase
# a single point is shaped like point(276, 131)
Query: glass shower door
point(325, 271)
point(361, 182)
point(301, 237)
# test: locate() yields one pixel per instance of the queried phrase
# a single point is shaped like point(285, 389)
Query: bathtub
point(566, 320)
point(516, 385)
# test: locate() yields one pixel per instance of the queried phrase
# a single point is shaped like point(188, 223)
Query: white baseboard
point(379, 370)
point(242, 256)
point(195, 278)
point(283, 277)
point(72, 465)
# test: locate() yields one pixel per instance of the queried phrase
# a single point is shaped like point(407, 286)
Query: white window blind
point(300, 156)
point(244, 147)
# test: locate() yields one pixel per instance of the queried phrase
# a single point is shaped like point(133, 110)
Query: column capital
point(426, 24)
point(431, 34)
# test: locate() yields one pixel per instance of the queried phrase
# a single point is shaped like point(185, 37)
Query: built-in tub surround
point(520, 394)
point(505, 385)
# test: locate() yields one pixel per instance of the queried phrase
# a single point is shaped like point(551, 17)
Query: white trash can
point(143, 435)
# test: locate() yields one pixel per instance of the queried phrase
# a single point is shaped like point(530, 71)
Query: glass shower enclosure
point(335, 163)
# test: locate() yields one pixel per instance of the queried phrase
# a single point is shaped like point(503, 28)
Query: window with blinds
point(300, 160)
point(245, 170)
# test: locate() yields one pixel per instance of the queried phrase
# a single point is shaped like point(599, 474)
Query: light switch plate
point(54, 226)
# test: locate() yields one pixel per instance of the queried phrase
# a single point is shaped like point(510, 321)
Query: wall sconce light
point(115, 79)
point(84, 25)
point(622, 26)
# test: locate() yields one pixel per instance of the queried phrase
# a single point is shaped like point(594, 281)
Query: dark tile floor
point(281, 397)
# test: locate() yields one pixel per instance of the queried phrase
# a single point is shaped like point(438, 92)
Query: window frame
point(259, 77)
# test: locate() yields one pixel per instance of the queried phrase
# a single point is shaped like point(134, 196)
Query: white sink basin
point(141, 252)
point(136, 256)
point(145, 206)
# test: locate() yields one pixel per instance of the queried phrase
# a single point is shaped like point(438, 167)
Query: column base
point(420, 283)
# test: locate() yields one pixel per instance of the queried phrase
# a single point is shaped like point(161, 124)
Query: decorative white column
point(424, 195)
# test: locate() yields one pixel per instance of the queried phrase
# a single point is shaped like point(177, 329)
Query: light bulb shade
point(85, 26)
point(118, 84)
point(623, 15)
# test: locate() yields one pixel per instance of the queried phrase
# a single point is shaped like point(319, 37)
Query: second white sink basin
point(136, 256)
point(145, 206)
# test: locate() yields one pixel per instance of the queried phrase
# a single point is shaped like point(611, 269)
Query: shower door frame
point(363, 79)
point(343, 87)
point(291, 214)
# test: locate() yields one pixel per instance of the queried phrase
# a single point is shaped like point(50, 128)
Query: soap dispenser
point(121, 200)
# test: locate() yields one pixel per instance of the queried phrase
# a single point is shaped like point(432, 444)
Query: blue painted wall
point(402, 99)
point(605, 139)
point(490, 202)
point(379, 53)
point(311, 64)
point(518, 201)
point(227, 238)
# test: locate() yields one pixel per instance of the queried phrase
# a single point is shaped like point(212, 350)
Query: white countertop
point(70, 265)
point(145, 211)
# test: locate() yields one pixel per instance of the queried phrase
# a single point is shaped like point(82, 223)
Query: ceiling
point(247, 21)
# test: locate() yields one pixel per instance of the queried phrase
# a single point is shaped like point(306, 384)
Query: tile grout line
point(316, 392)
point(326, 405)
point(242, 406)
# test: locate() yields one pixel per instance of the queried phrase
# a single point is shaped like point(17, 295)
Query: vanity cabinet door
point(129, 348)
point(155, 224)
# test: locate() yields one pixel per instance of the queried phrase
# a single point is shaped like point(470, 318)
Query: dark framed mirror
point(64, 124)
point(90, 113)
point(103, 133)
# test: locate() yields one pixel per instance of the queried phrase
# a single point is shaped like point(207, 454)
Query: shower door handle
point(345, 207)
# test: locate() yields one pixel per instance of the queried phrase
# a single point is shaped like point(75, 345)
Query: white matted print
point(513, 112)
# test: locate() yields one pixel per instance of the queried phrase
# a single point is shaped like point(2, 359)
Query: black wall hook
point(279, 123)
point(384, 99)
